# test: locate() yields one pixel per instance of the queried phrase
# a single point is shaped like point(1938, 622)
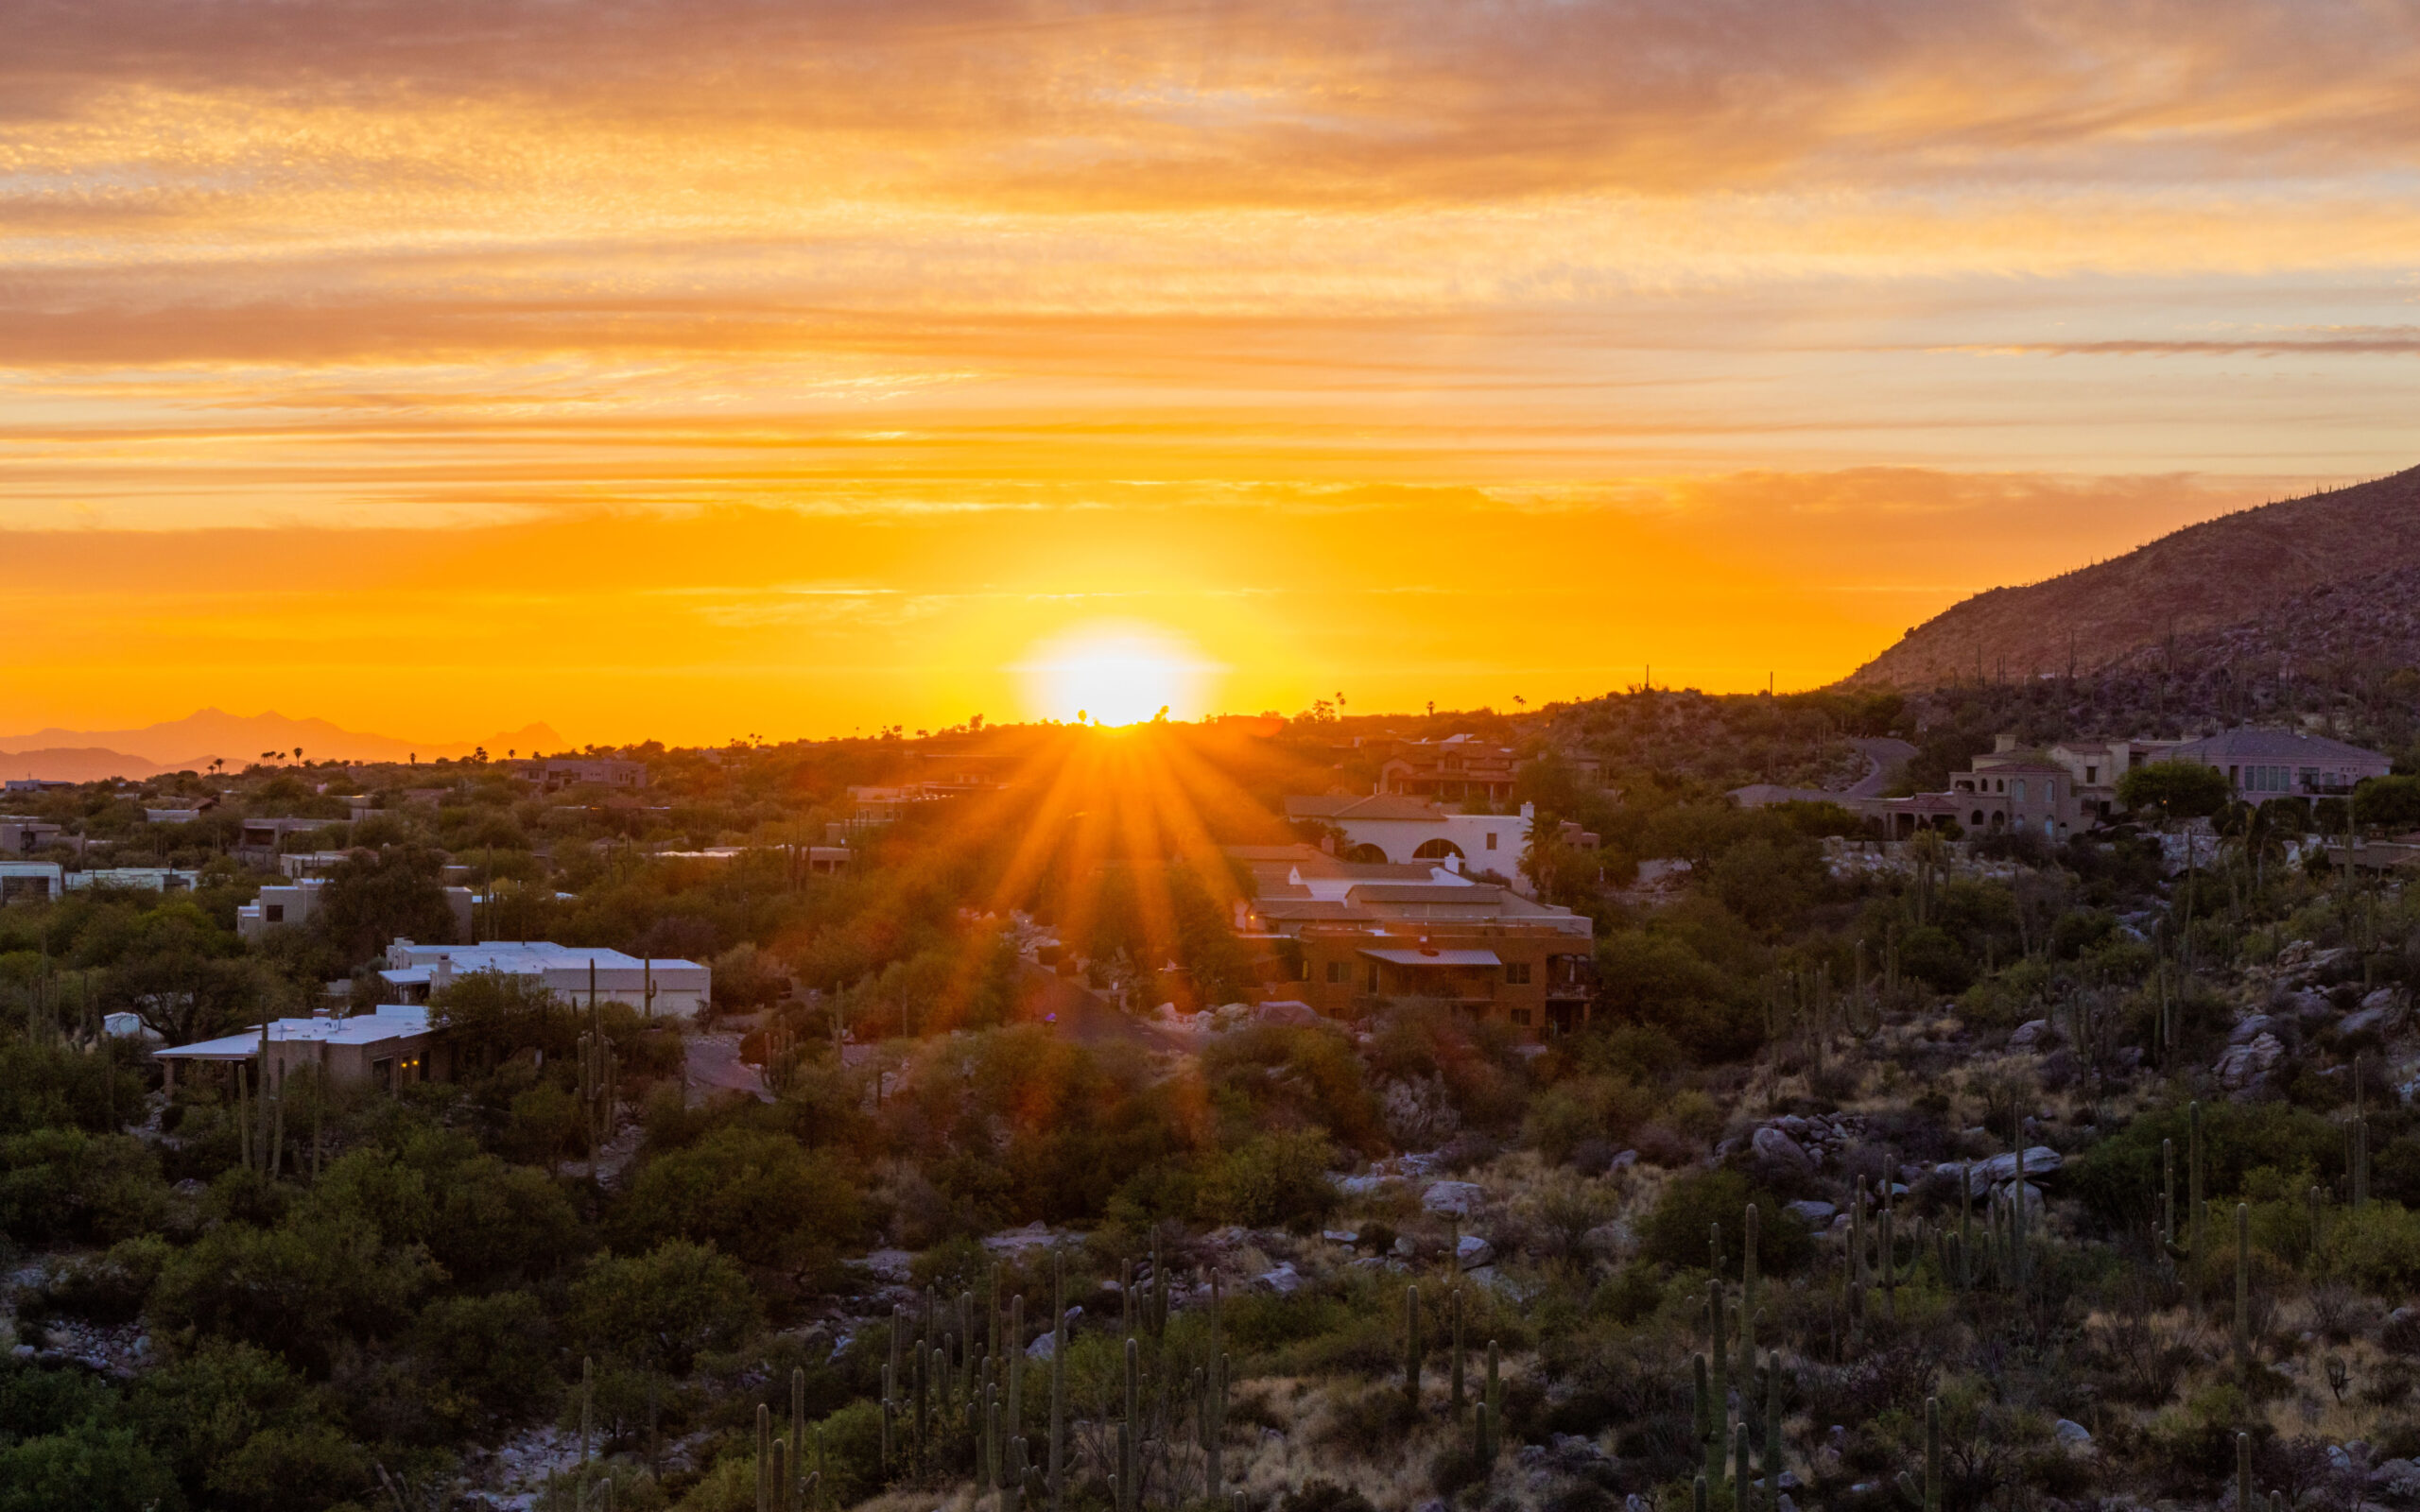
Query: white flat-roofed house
point(1390, 827)
point(656, 986)
point(31, 882)
point(391, 1045)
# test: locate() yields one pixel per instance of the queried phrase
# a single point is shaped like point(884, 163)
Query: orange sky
point(702, 369)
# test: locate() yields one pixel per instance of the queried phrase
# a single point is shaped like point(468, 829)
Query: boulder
point(2035, 1205)
point(1455, 1197)
point(2039, 1160)
point(1813, 1213)
point(1282, 1281)
point(2250, 1027)
point(2363, 1021)
point(1472, 1253)
point(2071, 1434)
point(1778, 1148)
point(2031, 1034)
point(1622, 1162)
point(2397, 1479)
point(2245, 1064)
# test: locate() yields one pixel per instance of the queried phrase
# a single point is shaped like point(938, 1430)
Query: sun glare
point(1114, 675)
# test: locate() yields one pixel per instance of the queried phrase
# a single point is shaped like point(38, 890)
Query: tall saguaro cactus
point(1058, 1377)
point(2243, 1291)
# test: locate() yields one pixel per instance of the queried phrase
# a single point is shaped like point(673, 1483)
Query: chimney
point(2003, 744)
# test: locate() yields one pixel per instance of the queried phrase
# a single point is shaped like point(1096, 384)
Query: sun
point(1114, 674)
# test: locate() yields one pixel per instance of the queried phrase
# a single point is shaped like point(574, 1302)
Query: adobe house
point(392, 1046)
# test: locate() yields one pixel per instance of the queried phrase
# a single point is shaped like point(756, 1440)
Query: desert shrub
point(1371, 1424)
point(660, 1308)
point(64, 1185)
point(1278, 1179)
point(1323, 1496)
point(1676, 1232)
point(2120, 1177)
point(2376, 1247)
point(755, 1197)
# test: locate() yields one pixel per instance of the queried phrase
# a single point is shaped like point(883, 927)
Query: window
point(2234, 781)
point(1374, 992)
point(1339, 972)
point(1491, 845)
point(2020, 790)
point(1521, 1018)
point(275, 914)
point(1517, 973)
point(2091, 775)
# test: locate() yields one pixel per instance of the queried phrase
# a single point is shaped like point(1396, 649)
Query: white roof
point(1435, 957)
point(388, 1020)
point(523, 957)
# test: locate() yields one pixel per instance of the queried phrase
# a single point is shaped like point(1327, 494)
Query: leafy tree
point(2388, 803)
point(89, 1468)
point(491, 1015)
point(63, 1184)
point(499, 1224)
point(372, 899)
point(301, 1288)
point(2174, 790)
point(485, 1357)
point(658, 1310)
point(756, 1196)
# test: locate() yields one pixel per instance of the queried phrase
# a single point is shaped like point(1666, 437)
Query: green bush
point(2120, 1177)
point(1676, 1231)
point(62, 1185)
point(1275, 1179)
point(660, 1309)
point(2375, 1248)
point(755, 1197)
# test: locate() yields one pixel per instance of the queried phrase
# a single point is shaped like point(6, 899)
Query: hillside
point(82, 755)
point(2224, 572)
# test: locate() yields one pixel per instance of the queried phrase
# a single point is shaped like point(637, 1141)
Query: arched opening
point(1366, 854)
point(1976, 823)
point(1437, 850)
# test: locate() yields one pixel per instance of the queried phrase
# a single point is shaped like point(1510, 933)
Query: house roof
point(1435, 957)
point(1760, 794)
point(1474, 894)
point(388, 1020)
point(1367, 806)
point(2248, 744)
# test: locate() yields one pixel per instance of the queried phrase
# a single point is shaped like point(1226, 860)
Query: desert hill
point(193, 742)
point(2228, 571)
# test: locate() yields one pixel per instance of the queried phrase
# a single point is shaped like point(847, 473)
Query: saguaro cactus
point(1494, 1404)
point(1213, 1406)
point(1057, 1376)
point(1773, 1426)
point(1748, 1227)
point(2195, 1209)
point(2242, 1291)
point(2243, 1472)
point(1129, 1433)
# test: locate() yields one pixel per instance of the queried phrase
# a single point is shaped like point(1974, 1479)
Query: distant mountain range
point(192, 743)
point(2321, 578)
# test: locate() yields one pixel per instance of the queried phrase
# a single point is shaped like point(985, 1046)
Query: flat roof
point(1435, 957)
point(388, 1020)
